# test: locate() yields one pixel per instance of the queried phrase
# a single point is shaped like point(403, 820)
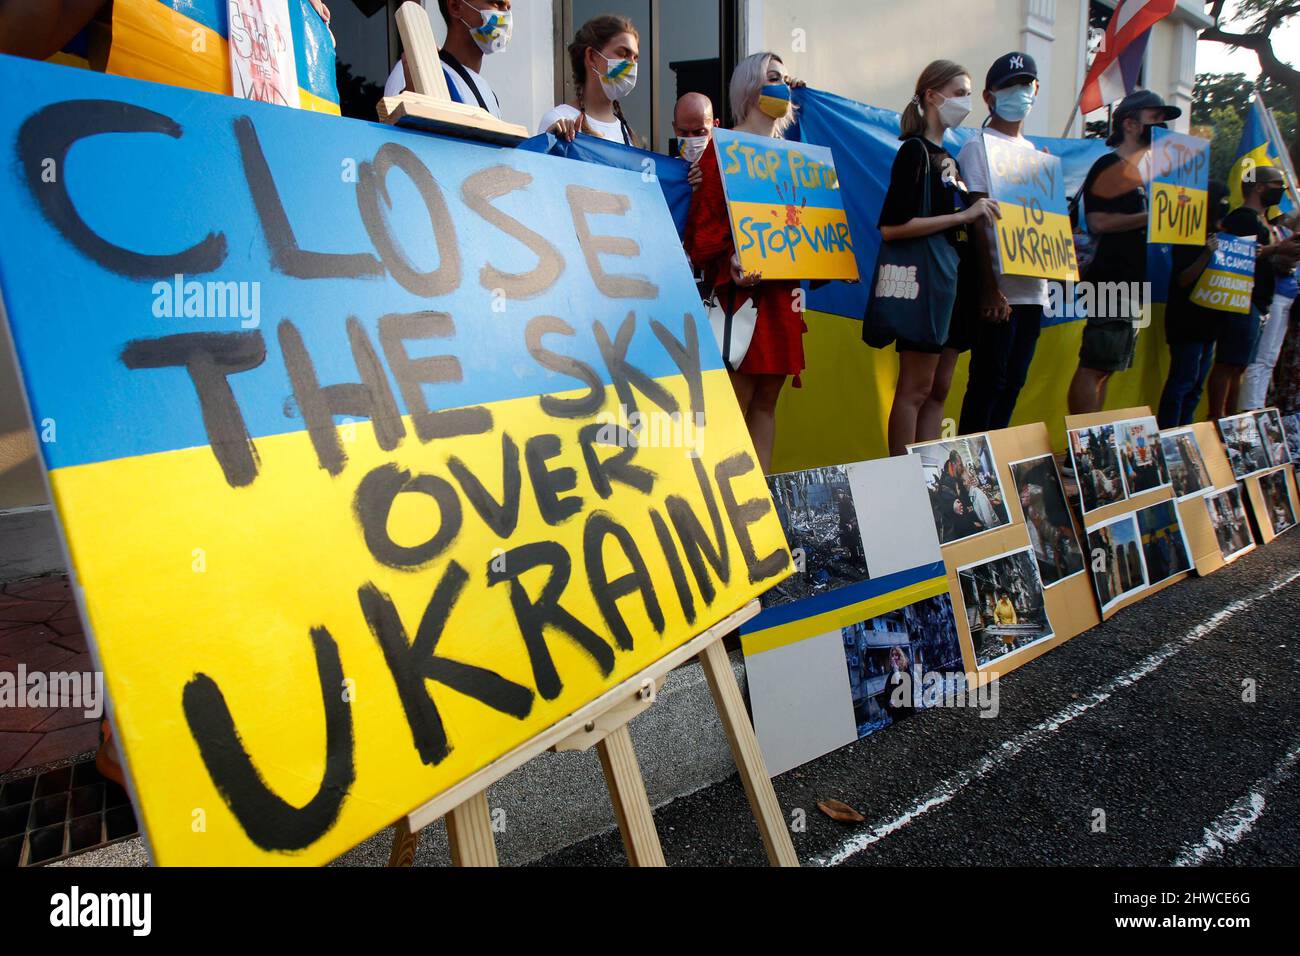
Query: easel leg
point(627, 794)
point(469, 832)
point(749, 759)
point(404, 844)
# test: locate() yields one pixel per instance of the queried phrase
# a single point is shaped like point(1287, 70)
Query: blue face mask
point(1014, 104)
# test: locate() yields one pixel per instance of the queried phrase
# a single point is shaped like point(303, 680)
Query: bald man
point(693, 123)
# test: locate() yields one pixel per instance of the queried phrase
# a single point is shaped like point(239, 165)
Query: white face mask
point(619, 78)
point(492, 35)
point(954, 110)
point(692, 147)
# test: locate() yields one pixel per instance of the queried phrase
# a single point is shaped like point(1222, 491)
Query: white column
point(1184, 74)
point(1037, 37)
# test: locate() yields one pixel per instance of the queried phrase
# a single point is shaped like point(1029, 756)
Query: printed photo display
point(902, 661)
point(1118, 566)
point(1279, 508)
point(1186, 464)
point(1272, 436)
point(1142, 462)
point(965, 490)
point(1003, 602)
point(1164, 546)
point(1246, 452)
point(1231, 526)
point(821, 525)
point(1291, 428)
point(1095, 456)
point(1052, 535)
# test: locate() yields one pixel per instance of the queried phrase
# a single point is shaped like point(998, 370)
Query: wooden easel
point(431, 107)
point(603, 724)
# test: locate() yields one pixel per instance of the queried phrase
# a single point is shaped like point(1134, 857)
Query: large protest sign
point(787, 212)
point(1034, 235)
point(1179, 179)
point(1229, 279)
point(342, 447)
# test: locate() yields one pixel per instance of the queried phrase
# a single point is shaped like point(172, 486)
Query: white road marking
point(951, 787)
point(1234, 823)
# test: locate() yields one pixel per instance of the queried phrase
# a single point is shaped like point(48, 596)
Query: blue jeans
point(1189, 366)
point(999, 365)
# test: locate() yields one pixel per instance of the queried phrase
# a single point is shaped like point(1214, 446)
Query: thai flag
point(1114, 73)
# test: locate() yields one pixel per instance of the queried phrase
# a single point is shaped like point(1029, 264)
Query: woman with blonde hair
point(761, 99)
point(927, 211)
point(603, 56)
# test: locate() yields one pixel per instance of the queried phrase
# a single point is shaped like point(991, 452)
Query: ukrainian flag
point(1257, 148)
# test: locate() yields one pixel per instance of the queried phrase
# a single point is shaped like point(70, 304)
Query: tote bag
point(915, 285)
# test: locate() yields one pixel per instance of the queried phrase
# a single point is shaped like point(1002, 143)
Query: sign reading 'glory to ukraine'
point(1034, 235)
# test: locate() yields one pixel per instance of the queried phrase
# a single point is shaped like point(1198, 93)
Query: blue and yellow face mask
point(774, 100)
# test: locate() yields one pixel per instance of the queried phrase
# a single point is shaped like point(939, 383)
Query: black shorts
point(1108, 346)
point(1237, 339)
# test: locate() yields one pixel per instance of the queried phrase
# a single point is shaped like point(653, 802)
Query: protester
point(1239, 335)
point(1115, 199)
point(1285, 392)
point(1011, 307)
point(1190, 328)
point(603, 55)
point(761, 99)
point(925, 367)
point(1259, 374)
point(693, 124)
point(475, 29)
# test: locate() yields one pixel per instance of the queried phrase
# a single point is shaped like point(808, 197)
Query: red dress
point(777, 346)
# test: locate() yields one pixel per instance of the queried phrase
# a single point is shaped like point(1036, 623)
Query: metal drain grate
point(58, 813)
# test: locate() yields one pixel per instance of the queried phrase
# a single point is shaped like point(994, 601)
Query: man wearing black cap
point(1115, 199)
point(1011, 307)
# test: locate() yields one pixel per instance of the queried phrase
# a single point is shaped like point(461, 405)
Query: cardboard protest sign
point(1034, 237)
point(1229, 279)
point(377, 454)
point(787, 212)
point(262, 62)
point(1179, 179)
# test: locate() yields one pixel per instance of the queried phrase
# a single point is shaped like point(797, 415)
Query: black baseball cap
point(1009, 67)
point(1135, 102)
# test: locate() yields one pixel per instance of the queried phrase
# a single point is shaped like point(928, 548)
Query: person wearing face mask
point(761, 98)
point(1115, 199)
point(475, 28)
point(1011, 307)
point(693, 124)
point(604, 55)
point(942, 102)
point(1238, 336)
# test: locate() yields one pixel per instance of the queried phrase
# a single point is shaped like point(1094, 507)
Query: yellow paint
point(1048, 229)
point(285, 555)
point(1186, 228)
point(769, 250)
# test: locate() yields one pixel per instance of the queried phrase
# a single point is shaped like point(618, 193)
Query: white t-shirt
point(397, 83)
point(1019, 290)
point(605, 130)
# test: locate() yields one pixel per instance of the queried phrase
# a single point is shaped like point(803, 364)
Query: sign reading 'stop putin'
point(376, 453)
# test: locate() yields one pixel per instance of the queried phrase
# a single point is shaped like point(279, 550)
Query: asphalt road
point(1142, 718)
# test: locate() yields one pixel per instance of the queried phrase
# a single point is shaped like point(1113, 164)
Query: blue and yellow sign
point(376, 453)
point(1228, 281)
point(1179, 184)
point(1034, 237)
point(787, 212)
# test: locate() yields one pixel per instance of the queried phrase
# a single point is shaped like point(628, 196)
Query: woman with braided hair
point(603, 55)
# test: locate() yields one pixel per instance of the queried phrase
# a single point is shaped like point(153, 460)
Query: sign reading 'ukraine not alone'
point(343, 446)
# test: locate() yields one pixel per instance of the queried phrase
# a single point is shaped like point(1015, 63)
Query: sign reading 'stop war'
point(377, 453)
point(1180, 179)
point(1229, 279)
point(1034, 236)
point(787, 212)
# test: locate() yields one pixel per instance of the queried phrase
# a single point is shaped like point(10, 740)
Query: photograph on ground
point(1142, 462)
point(1187, 471)
point(1003, 602)
point(1052, 535)
point(1095, 457)
point(816, 512)
point(1291, 428)
point(1164, 546)
point(902, 661)
point(1279, 508)
point(1231, 526)
point(1115, 554)
point(966, 494)
point(1272, 435)
point(1246, 451)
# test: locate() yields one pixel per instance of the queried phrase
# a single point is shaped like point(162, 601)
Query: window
point(366, 46)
